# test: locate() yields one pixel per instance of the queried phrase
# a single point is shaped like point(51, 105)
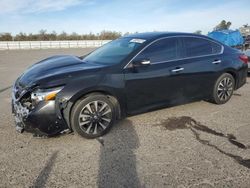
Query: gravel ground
point(191, 145)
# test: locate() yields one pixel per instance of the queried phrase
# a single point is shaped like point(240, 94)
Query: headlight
point(45, 95)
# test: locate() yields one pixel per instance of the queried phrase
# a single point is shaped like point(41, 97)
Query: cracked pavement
point(193, 145)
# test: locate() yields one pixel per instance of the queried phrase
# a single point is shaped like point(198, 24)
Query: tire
point(93, 116)
point(223, 89)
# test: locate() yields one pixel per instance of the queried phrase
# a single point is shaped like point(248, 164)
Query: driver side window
point(160, 51)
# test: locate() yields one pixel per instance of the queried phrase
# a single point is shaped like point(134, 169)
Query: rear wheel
point(93, 116)
point(223, 89)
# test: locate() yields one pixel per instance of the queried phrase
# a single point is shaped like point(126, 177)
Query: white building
point(245, 30)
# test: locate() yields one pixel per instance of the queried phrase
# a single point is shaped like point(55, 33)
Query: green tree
point(6, 37)
point(62, 36)
point(125, 34)
point(199, 32)
point(245, 25)
point(43, 35)
point(223, 25)
point(74, 36)
point(21, 37)
point(32, 37)
point(52, 36)
point(109, 35)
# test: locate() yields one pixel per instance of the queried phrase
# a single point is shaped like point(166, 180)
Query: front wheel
point(93, 116)
point(223, 89)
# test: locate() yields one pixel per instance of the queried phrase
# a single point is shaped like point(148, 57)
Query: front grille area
point(21, 99)
point(20, 111)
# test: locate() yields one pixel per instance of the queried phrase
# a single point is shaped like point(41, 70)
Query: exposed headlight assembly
point(45, 94)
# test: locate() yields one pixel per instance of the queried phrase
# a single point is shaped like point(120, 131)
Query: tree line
point(43, 35)
point(223, 25)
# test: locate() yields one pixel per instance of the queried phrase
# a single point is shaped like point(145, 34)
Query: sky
point(84, 16)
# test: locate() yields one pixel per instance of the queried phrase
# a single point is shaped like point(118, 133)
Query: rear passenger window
point(216, 48)
point(160, 51)
point(199, 47)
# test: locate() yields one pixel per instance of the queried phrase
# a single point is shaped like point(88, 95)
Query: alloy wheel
point(95, 117)
point(225, 89)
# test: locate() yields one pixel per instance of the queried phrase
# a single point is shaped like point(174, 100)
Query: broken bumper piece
point(40, 119)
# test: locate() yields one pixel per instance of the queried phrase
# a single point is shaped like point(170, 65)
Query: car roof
point(151, 36)
point(155, 35)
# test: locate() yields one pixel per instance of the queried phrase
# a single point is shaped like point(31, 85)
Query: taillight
point(244, 58)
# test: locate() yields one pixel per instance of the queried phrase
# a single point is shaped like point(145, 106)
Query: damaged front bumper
point(40, 119)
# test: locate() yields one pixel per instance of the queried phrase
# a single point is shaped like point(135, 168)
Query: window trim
point(178, 59)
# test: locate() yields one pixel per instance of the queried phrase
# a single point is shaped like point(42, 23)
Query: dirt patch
point(185, 122)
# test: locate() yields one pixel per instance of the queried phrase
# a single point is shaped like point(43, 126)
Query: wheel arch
point(111, 95)
point(235, 76)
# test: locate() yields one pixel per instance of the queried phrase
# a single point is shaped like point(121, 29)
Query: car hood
point(53, 68)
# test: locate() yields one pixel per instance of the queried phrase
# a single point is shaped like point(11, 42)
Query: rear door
point(202, 60)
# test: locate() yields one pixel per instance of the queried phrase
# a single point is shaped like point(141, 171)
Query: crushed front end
point(35, 111)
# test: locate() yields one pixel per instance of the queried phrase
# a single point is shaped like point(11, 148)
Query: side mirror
point(141, 63)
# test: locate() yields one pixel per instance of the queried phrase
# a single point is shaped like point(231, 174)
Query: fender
point(73, 92)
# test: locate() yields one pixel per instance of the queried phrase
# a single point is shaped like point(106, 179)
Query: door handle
point(177, 69)
point(216, 62)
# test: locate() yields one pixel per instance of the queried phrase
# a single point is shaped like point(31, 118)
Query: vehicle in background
point(130, 75)
point(246, 42)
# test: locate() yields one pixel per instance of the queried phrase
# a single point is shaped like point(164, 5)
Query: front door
point(159, 82)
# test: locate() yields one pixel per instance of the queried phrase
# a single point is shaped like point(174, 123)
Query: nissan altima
point(129, 75)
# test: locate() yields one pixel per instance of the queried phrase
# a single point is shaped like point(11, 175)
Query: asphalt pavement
point(191, 145)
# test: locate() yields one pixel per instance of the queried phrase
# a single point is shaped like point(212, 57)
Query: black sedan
point(130, 75)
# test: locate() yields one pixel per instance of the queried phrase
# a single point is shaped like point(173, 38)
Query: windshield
point(115, 51)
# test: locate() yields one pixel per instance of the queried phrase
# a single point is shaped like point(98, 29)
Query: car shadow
point(4, 89)
point(195, 127)
point(43, 176)
point(117, 161)
point(182, 101)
